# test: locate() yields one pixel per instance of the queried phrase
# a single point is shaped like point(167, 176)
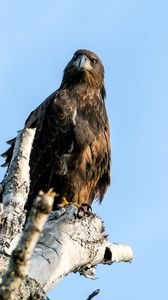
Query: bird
point(71, 151)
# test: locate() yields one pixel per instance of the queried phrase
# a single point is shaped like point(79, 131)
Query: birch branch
point(21, 255)
point(92, 295)
point(71, 243)
point(15, 191)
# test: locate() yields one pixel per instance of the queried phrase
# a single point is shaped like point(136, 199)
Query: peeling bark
point(21, 255)
point(73, 244)
point(15, 191)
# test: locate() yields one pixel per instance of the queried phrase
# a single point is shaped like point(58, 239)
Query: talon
point(64, 202)
point(83, 209)
point(87, 207)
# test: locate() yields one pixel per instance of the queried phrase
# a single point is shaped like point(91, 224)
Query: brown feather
point(71, 149)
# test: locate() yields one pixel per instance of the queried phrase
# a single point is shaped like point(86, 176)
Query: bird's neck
point(83, 88)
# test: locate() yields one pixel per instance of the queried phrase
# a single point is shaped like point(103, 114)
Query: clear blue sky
point(131, 37)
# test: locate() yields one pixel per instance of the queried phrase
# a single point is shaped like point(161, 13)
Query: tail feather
point(8, 153)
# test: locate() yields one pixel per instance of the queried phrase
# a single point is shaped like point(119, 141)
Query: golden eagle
point(71, 149)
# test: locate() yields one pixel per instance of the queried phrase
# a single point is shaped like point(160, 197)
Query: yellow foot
point(82, 207)
point(64, 202)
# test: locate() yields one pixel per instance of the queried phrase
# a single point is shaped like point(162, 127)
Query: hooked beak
point(82, 62)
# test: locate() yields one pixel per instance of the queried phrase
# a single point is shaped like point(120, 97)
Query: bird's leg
point(63, 202)
point(85, 207)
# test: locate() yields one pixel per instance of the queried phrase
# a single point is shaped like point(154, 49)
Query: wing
point(53, 121)
point(35, 119)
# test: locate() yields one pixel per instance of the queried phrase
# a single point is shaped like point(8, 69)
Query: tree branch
point(92, 295)
point(15, 191)
point(21, 255)
point(70, 243)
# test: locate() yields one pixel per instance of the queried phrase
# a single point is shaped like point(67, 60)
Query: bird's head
point(84, 67)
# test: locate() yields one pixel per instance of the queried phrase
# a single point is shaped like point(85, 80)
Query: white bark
point(69, 242)
point(17, 268)
point(17, 180)
point(15, 191)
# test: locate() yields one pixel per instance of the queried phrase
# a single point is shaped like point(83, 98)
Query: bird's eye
point(93, 61)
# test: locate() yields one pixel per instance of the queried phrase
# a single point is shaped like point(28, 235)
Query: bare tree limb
point(15, 191)
point(70, 243)
point(92, 295)
point(17, 181)
point(23, 252)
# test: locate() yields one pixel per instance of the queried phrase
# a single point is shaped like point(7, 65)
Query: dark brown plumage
point(71, 150)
